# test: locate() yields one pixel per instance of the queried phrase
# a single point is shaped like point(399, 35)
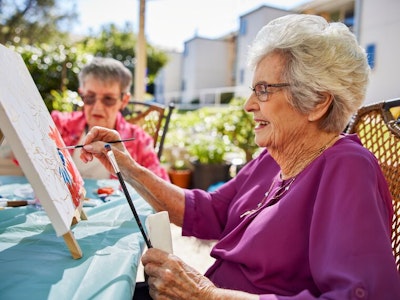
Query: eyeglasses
point(261, 90)
point(106, 100)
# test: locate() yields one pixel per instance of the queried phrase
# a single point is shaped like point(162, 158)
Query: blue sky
point(169, 23)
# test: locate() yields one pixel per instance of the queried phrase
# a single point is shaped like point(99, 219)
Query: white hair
point(319, 57)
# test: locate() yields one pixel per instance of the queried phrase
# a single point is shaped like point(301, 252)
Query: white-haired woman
point(310, 217)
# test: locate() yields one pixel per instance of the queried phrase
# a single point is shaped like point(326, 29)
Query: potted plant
point(214, 137)
point(180, 174)
point(208, 158)
point(179, 167)
point(228, 130)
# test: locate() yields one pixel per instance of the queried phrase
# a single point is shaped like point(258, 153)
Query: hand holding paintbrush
point(111, 142)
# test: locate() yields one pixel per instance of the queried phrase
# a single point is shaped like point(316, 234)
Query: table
point(36, 264)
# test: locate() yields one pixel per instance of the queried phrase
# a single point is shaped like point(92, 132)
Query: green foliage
point(210, 133)
point(226, 97)
point(238, 126)
point(195, 131)
point(121, 44)
point(35, 21)
point(66, 100)
point(112, 42)
point(53, 67)
point(209, 149)
point(179, 164)
point(37, 30)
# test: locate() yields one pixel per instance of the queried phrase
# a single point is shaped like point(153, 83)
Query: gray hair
point(107, 69)
point(319, 57)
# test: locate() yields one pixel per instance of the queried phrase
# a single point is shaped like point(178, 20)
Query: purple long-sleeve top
point(327, 237)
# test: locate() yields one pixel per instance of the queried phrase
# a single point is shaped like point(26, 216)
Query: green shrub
point(210, 133)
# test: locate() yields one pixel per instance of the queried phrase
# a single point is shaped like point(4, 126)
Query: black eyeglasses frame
point(264, 94)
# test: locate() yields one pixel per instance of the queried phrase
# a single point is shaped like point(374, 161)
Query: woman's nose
point(251, 103)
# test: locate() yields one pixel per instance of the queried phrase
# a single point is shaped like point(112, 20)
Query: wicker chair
point(379, 131)
point(153, 117)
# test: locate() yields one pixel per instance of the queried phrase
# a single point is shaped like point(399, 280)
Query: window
point(243, 27)
point(370, 49)
point(241, 76)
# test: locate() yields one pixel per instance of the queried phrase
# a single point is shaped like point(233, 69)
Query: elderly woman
point(310, 217)
point(104, 86)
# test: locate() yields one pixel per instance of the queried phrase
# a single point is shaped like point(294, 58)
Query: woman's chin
point(260, 141)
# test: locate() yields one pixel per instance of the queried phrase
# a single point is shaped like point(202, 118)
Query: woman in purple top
point(310, 217)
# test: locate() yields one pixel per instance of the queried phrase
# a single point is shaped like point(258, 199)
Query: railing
point(206, 97)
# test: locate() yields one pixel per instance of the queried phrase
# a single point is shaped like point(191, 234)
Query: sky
point(169, 23)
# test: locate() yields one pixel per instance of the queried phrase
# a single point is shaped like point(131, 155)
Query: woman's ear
point(321, 108)
point(125, 100)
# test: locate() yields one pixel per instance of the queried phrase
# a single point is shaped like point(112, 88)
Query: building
point(376, 25)
point(379, 26)
point(250, 24)
point(207, 64)
point(213, 70)
point(168, 80)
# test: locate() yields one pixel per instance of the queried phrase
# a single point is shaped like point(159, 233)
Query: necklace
point(323, 148)
point(301, 165)
point(276, 196)
point(283, 188)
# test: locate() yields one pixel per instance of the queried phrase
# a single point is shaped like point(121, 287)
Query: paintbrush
point(114, 164)
point(81, 146)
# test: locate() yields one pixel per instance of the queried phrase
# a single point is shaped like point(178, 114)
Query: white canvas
point(34, 139)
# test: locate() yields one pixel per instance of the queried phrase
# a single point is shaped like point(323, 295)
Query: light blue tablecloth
point(36, 264)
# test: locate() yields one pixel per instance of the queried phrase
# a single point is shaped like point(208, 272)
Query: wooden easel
point(69, 238)
point(23, 119)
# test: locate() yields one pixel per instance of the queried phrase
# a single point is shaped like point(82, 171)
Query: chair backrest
point(379, 131)
point(7, 165)
point(153, 117)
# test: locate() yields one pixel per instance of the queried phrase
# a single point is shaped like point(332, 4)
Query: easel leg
point(72, 245)
point(79, 215)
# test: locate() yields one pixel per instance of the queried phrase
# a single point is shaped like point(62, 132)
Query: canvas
point(27, 126)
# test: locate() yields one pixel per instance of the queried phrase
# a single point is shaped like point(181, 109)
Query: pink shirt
point(72, 125)
point(327, 237)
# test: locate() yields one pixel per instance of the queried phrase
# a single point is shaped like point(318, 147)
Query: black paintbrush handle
point(135, 214)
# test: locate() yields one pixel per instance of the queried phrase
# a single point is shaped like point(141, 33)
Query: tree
point(36, 30)
point(28, 22)
point(121, 44)
point(54, 68)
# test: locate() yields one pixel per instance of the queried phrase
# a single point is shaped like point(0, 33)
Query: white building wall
point(168, 79)
point(189, 74)
point(205, 65)
point(250, 24)
point(380, 26)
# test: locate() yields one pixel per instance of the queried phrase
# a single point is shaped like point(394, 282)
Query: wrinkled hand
point(171, 278)
point(94, 143)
